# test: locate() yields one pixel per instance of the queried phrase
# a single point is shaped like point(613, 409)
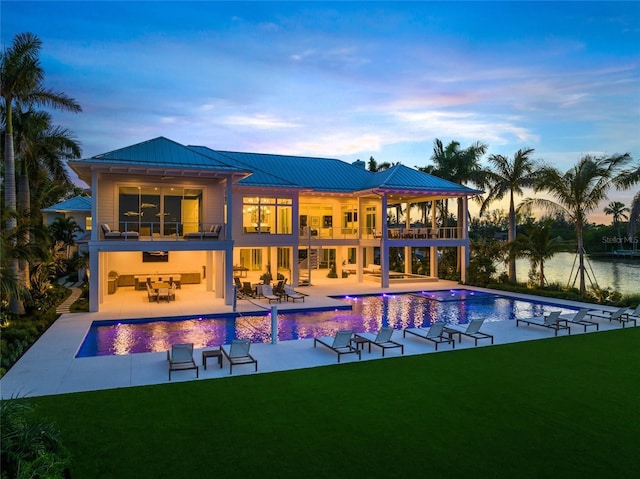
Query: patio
point(50, 367)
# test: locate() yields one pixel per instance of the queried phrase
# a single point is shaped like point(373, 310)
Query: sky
point(346, 80)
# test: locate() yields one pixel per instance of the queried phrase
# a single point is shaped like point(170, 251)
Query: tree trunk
point(511, 238)
point(541, 273)
point(15, 303)
point(24, 209)
point(582, 287)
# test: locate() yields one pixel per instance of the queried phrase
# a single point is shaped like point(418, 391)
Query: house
point(77, 208)
point(202, 214)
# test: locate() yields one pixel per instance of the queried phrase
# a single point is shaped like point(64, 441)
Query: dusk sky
point(346, 80)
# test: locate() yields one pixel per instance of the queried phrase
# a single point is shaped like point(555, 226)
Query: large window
point(266, 215)
point(160, 211)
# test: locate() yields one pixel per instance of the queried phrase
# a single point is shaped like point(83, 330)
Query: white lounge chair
point(267, 292)
point(290, 293)
point(619, 315)
point(340, 343)
point(472, 330)
point(180, 358)
point(239, 353)
point(382, 339)
point(551, 321)
point(578, 318)
point(435, 334)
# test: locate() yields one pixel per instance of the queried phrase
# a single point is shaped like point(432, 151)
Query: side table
point(211, 353)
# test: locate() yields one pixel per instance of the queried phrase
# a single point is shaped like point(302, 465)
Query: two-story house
point(203, 215)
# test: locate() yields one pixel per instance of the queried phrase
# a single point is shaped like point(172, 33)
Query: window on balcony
point(159, 211)
point(267, 215)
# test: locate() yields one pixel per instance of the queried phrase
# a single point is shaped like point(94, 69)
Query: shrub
point(31, 448)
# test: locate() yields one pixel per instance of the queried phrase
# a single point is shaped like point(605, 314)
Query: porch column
point(407, 249)
point(464, 252)
point(95, 295)
point(384, 249)
point(433, 250)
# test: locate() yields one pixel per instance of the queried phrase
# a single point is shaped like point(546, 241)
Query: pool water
point(367, 314)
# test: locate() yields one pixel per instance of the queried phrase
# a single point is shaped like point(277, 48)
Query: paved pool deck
point(50, 367)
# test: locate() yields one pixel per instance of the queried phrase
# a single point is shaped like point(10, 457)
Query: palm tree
point(458, 165)
point(619, 212)
point(510, 177)
point(63, 230)
point(577, 192)
point(22, 82)
point(538, 246)
point(374, 166)
point(627, 179)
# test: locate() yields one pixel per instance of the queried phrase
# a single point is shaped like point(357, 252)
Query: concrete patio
point(49, 367)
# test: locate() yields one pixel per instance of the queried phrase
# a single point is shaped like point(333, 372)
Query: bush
point(31, 448)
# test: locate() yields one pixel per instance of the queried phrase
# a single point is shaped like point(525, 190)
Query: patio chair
point(435, 334)
point(153, 295)
point(267, 293)
point(239, 354)
point(292, 294)
point(163, 293)
point(619, 315)
point(278, 289)
point(472, 331)
point(578, 318)
point(340, 343)
point(551, 321)
point(172, 291)
point(180, 358)
point(382, 339)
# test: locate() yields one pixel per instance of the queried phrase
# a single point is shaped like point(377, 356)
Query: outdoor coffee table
point(211, 353)
point(360, 342)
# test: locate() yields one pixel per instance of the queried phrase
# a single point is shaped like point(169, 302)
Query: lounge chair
point(180, 358)
point(435, 334)
point(382, 339)
point(267, 292)
point(340, 343)
point(292, 295)
point(620, 315)
point(578, 318)
point(110, 234)
point(278, 289)
point(472, 330)
point(239, 353)
point(551, 321)
point(212, 233)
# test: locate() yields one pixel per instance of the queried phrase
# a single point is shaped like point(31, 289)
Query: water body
point(621, 275)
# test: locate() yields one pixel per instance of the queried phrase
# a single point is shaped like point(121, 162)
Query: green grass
point(563, 407)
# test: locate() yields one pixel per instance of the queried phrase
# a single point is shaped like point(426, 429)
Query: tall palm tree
point(538, 246)
point(577, 192)
point(627, 179)
point(374, 166)
point(458, 165)
point(619, 212)
point(22, 81)
point(509, 177)
point(63, 230)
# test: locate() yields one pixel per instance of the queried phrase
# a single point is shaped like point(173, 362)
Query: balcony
point(159, 231)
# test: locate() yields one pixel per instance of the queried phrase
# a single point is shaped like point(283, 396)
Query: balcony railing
point(150, 230)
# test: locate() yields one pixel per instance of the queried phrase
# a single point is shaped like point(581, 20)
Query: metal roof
point(400, 177)
point(158, 153)
point(320, 174)
point(77, 203)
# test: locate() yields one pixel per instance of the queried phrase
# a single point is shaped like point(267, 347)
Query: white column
point(465, 236)
point(433, 250)
point(384, 251)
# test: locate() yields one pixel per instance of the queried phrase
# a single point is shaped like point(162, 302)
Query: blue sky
point(346, 79)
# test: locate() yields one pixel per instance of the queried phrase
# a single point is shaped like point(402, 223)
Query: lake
point(621, 275)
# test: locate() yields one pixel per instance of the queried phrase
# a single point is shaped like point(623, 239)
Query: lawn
point(562, 407)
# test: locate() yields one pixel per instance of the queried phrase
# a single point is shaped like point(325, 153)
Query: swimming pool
point(366, 314)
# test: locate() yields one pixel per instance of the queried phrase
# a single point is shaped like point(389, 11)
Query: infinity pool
point(361, 314)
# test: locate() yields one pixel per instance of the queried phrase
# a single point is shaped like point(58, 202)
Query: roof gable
point(77, 203)
point(160, 152)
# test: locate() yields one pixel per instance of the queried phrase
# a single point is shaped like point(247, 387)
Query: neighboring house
point(162, 207)
point(78, 208)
